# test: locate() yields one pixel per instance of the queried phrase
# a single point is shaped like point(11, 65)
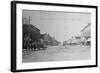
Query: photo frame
point(38, 21)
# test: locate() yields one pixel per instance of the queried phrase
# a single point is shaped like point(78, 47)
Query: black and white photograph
point(56, 36)
point(48, 36)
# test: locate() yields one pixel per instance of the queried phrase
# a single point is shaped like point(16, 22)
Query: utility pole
point(29, 19)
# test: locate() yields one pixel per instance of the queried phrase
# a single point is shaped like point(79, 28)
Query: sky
point(60, 25)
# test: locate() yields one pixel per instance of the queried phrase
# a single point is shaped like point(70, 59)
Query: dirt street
point(58, 53)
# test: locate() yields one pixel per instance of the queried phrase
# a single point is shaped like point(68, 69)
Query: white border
point(21, 65)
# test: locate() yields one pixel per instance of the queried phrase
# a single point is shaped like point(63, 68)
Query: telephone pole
point(29, 19)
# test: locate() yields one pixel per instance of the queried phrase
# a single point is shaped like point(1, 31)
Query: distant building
point(72, 41)
point(68, 42)
point(48, 40)
point(76, 40)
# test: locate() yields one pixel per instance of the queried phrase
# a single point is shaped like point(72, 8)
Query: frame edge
point(13, 36)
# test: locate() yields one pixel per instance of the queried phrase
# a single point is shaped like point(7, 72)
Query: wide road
point(58, 53)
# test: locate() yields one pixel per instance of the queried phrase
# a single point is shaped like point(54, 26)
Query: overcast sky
point(61, 25)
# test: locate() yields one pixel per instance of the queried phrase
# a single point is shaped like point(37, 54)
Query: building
point(49, 40)
point(86, 31)
point(67, 42)
point(32, 31)
point(86, 35)
point(76, 40)
point(29, 29)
